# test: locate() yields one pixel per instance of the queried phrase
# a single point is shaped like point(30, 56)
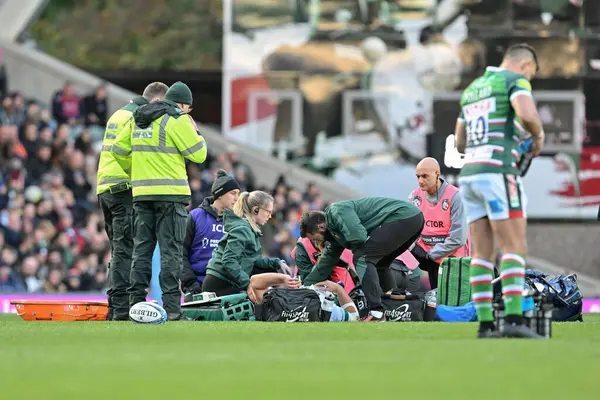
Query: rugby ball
point(146, 312)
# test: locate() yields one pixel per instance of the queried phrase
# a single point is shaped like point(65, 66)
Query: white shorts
point(495, 196)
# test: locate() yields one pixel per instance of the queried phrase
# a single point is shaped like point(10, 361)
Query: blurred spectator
point(95, 107)
point(10, 281)
point(240, 170)
point(52, 237)
point(66, 105)
point(84, 143)
point(54, 283)
point(30, 267)
point(39, 163)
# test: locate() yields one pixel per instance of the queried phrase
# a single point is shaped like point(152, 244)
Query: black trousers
point(385, 244)
point(163, 222)
point(432, 269)
point(118, 223)
point(403, 280)
point(223, 288)
point(218, 286)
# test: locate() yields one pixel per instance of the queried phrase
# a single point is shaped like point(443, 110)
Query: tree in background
point(132, 34)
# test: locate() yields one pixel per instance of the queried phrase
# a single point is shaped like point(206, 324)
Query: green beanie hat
point(179, 92)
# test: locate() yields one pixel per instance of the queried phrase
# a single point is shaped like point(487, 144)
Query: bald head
point(429, 163)
point(428, 174)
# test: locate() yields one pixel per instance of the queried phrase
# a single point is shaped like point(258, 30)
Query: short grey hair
point(154, 90)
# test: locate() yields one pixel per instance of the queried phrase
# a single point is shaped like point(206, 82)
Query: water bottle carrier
point(537, 313)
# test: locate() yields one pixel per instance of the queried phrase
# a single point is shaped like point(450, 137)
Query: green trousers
point(163, 222)
point(118, 210)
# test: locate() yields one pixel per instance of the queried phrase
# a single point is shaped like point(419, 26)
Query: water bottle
point(327, 307)
point(529, 311)
point(499, 316)
point(525, 161)
point(525, 146)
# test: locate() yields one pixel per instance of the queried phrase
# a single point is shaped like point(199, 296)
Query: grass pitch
point(368, 361)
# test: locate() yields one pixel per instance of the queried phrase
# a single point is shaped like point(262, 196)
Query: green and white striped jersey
point(492, 127)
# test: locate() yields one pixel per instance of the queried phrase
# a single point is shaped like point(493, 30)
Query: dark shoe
point(120, 314)
point(178, 317)
point(488, 334)
point(519, 331)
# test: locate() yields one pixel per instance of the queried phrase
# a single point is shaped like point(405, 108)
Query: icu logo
point(218, 228)
point(445, 204)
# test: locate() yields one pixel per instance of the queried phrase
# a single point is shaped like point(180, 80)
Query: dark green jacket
point(238, 252)
point(303, 261)
point(349, 224)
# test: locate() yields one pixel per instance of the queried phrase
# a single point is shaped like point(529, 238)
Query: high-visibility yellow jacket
point(109, 170)
point(156, 151)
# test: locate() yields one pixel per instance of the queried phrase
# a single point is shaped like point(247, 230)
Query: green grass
point(186, 360)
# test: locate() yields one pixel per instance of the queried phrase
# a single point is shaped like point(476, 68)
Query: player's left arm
point(460, 134)
point(522, 102)
point(458, 233)
point(260, 284)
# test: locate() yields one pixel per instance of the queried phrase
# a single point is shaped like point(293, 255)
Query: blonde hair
point(248, 204)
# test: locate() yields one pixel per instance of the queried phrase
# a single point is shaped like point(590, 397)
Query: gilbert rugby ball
point(146, 312)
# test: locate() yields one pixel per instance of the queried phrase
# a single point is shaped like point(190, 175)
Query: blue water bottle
point(524, 148)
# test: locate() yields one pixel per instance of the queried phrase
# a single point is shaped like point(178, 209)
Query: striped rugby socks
point(512, 274)
point(482, 274)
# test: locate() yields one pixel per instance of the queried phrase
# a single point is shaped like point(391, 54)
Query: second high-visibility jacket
point(155, 144)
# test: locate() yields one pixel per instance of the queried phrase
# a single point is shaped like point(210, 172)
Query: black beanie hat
point(179, 92)
point(223, 184)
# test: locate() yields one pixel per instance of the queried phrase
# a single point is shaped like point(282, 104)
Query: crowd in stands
point(52, 236)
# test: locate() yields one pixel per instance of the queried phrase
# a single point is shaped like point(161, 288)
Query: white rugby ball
point(146, 312)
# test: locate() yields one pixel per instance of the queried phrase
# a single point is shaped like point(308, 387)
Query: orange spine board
point(49, 310)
